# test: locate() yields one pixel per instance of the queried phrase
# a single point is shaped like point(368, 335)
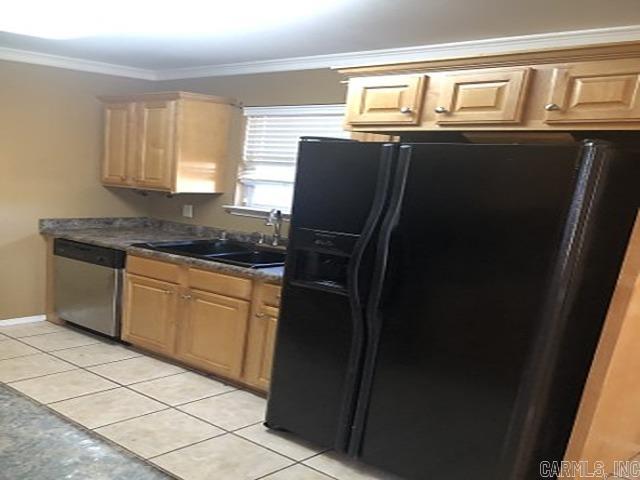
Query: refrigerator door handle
point(389, 224)
point(354, 292)
point(371, 225)
point(372, 316)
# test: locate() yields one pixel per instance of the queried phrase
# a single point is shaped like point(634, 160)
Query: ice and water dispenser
point(321, 259)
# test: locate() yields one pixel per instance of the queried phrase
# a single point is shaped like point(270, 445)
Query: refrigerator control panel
point(336, 243)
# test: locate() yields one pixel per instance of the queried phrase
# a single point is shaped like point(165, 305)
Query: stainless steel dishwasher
point(88, 285)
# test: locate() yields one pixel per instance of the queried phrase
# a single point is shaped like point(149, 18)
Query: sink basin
point(224, 251)
point(198, 247)
point(253, 259)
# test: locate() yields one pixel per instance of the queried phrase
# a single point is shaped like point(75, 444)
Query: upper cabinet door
point(491, 97)
point(388, 100)
point(602, 91)
point(119, 142)
point(156, 144)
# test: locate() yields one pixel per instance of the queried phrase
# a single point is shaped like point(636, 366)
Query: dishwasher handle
point(84, 252)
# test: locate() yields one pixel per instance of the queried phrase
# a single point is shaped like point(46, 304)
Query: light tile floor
point(187, 424)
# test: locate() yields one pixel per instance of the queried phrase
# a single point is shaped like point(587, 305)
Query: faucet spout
point(275, 220)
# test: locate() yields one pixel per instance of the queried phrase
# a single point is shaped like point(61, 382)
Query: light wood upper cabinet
point(156, 133)
point(150, 313)
point(595, 92)
point(388, 100)
point(212, 333)
point(488, 96)
point(119, 142)
point(595, 87)
point(174, 142)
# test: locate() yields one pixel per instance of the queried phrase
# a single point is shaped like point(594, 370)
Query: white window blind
point(267, 173)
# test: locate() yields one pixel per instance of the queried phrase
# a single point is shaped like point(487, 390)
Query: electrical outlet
point(187, 211)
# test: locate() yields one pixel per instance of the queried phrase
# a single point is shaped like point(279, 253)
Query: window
point(267, 173)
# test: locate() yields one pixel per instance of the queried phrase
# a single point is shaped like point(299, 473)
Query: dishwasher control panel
point(106, 257)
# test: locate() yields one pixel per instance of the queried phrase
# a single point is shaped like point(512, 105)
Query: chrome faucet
point(275, 220)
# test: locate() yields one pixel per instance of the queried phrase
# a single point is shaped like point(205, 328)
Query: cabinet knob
point(550, 107)
point(440, 110)
point(406, 110)
point(260, 315)
point(186, 297)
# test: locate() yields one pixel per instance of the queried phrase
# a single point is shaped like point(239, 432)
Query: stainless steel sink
point(242, 254)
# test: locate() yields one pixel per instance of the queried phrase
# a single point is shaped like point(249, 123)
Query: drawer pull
point(550, 107)
point(406, 110)
point(440, 110)
point(260, 315)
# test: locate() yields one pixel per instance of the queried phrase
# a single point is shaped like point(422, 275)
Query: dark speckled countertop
point(122, 233)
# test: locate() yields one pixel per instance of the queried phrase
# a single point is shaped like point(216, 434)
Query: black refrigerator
point(442, 302)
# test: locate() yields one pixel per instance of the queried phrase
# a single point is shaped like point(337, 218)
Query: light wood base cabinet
point(218, 323)
point(262, 336)
point(212, 333)
point(150, 313)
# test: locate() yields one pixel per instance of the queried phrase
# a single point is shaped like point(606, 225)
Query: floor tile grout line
point(182, 404)
point(35, 335)
point(70, 398)
point(94, 429)
point(40, 376)
point(90, 431)
point(265, 447)
point(316, 470)
point(86, 367)
point(187, 446)
point(168, 407)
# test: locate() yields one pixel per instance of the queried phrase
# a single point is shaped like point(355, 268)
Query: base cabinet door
point(260, 346)
point(212, 333)
point(150, 313)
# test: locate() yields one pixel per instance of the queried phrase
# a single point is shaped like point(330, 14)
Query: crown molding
point(411, 54)
point(79, 64)
point(341, 60)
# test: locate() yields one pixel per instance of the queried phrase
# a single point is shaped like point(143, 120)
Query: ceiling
point(349, 26)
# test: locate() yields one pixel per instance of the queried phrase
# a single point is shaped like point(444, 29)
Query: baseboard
point(21, 320)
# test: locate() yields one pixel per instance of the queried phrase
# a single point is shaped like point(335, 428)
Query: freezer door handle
point(372, 316)
point(387, 229)
point(355, 289)
point(355, 285)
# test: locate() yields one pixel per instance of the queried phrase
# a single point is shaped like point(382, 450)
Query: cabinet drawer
point(595, 92)
point(146, 267)
point(485, 97)
point(219, 283)
point(388, 100)
point(271, 294)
